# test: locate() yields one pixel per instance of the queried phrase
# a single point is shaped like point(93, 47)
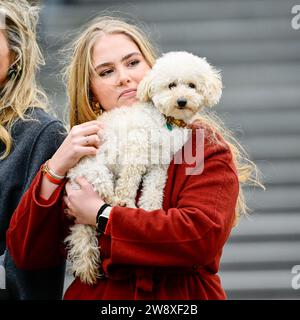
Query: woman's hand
point(84, 203)
point(83, 140)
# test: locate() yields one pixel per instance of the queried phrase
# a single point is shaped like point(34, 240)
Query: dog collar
point(171, 122)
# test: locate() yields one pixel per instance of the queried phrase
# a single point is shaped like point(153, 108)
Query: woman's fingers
point(68, 188)
point(91, 140)
point(82, 140)
point(86, 131)
point(85, 151)
point(87, 135)
point(84, 184)
point(70, 215)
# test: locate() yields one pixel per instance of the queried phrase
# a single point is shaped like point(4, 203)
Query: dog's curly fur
point(132, 136)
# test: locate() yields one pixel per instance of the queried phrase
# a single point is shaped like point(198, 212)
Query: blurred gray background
point(258, 51)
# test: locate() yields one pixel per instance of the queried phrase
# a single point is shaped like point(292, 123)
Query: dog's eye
point(191, 85)
point(172, 85)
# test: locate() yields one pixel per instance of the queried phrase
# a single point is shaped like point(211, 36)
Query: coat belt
point(144, 277)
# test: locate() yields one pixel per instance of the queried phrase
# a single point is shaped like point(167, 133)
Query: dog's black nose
point(181, 102)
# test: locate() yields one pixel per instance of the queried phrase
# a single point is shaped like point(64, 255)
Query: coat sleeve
point(193, 232)
point(36, 229)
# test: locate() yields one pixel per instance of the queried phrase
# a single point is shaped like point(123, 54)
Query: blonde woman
point(170, 253)
point(28, 137)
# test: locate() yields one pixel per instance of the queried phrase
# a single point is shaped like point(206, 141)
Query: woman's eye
point(191, 85)
point(105, 73)
point(134, 62)
point(172, 85)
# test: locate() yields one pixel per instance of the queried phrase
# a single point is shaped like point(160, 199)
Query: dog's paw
point(128, 203)
point(124, 203)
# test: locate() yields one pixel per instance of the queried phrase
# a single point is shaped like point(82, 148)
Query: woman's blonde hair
point(21, 91)
point(80, 70)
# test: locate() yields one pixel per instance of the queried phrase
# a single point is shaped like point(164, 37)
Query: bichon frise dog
point(171, 95)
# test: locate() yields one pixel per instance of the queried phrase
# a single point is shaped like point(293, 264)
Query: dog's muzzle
point(181, 102)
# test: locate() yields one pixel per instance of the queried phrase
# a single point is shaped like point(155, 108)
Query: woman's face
point(120, 66)
point(4, 58)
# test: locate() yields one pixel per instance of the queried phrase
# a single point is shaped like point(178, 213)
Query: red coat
point(171, 253)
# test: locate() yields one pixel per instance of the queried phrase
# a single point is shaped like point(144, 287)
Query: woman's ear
point(213, 88)
point(145, 88)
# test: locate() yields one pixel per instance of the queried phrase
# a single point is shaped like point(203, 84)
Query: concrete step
point(261, 123)
point(278, 224)
point(225, 30)
point(158, 11)
point(274, 199)
point(276, 147)
point(231, 52)
point(282, 172)
point(261, 75)
point(258, 280)
point(208, 36)
point(256, 252)
point(259, 98)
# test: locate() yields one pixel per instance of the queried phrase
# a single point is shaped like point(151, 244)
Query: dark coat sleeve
point(46, 280)
point(49, 137)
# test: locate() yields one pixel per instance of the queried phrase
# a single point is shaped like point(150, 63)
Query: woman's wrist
point(47, 188)
point(50, 181)
point(56, 168)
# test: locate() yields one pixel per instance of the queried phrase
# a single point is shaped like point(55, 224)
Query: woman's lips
point(128, 93)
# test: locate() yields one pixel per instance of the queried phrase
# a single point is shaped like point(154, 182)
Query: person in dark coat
point(26, 130)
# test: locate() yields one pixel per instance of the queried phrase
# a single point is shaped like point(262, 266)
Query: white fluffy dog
point(178, 86)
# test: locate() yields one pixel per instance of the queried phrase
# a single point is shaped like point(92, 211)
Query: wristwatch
point(101, 219)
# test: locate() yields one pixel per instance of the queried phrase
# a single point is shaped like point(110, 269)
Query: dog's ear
point(145, 88)
point(213, 88)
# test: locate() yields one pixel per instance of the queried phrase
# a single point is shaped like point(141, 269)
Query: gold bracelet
point(46, 169)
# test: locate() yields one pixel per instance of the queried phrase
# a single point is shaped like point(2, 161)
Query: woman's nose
point(124, 77)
